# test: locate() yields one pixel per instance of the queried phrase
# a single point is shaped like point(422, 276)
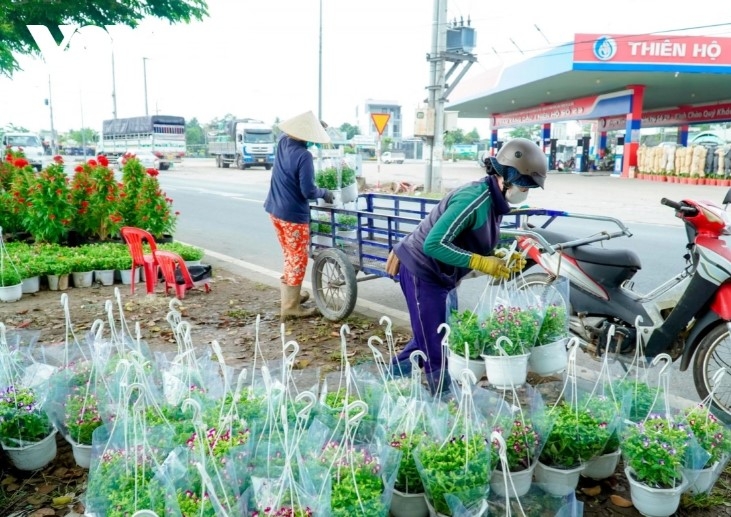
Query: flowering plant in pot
point(22, 421)
point(554, 325)
point(82, 415)
point(654, 450)
point(576, 436)
point(522, 445)
point(711, 434)
point(520, 325)
point(466, 336)
point(97, 196)
point(408, 480)
point(461, 465)
point(49, 211)
point(154, 209)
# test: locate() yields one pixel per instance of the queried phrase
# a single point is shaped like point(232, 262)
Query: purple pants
point(427, 303)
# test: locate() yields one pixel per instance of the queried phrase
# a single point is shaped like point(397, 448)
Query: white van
point(31, 145)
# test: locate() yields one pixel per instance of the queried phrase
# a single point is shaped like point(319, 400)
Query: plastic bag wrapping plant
point(556, 307)
point(712, 435)
point(342, 389)
point(458, 458)
point(404, 427)
point(525, 430)
point(37, 368)
point(516, 314)
point(22, 417)
point(577, 434)
point(360, 476)
point(662, 448)
point(125, 456)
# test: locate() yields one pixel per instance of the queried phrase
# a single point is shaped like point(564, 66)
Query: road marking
point(229, 195)
point(397, 316)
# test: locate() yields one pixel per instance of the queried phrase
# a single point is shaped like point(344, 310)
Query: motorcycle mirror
point(727, 199)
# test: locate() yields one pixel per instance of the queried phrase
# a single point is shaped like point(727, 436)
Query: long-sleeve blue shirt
point(293, 182)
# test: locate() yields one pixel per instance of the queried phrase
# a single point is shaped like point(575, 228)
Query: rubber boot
point(291, 307)
point(304, 296)
point(433, 379)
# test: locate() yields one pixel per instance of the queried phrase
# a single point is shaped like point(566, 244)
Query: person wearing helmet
point(287, 203)
point(456, 237)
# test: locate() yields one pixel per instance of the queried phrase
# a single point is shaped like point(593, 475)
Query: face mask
point(309, 144)
point(515, 195)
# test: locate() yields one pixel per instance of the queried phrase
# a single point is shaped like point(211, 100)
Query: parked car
point(393, 157)
point(146, 158)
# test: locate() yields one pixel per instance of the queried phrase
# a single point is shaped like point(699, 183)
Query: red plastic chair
point(170, 263)
point(135, 237)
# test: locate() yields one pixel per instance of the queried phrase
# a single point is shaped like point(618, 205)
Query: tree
point(386, 143)
point(194, 134)
point(83, 136)
point(349, 130)
point(453, 138)
point(473, 137)
point(523, 132)
point(15, 16)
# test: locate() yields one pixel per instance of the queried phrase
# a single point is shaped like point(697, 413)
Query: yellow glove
point(491, 265)
point(516, 263)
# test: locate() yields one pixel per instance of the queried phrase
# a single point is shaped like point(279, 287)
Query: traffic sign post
point(380, 120)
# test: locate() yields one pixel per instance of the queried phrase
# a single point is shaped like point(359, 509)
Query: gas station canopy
point(676, 71)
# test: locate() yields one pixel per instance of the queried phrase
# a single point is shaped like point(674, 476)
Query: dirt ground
point(227, 314)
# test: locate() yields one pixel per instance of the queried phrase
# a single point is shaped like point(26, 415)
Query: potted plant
point(550, 355)
point(349, 189)
point(576, 437)
point(81, 419)
point(522, 445)
point(82, 268)
point(11, 284)
point(460, 465)
point(714, 438)
point(31, 266)
point(154, 209)
point(192, 255)
point(408, 496)
point(49, 212)
point(604, 409)
point(465, 344)
point(653, 452)
point(26, 432)
point(510, 332)
point(346, 226)
point(58, 275)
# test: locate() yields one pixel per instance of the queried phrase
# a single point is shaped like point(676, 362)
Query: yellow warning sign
point(380, 120)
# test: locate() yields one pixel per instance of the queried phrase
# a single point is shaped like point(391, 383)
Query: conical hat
point(305, 127)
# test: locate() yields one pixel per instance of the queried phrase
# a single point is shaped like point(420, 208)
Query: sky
point(261, 58)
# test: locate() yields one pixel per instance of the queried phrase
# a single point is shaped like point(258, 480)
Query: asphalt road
point(221, 210)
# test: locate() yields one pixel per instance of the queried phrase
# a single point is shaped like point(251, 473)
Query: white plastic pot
point(83, 278)
point(557, 482)
point(350, 193)
point(408, 505)
point(82, 453)
point(104, 276)
point(505, 371)
point(456, 364)
point(602, 466)
point(11, 293)
point(654, 502)
point(31, 285)
point(33, 456)
point(548, 359)
point(126, 276)
point(521, 482)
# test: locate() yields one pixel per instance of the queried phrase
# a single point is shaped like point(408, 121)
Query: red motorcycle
point(686, 317)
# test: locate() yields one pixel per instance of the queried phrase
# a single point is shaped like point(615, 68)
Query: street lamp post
point(319, 89)
point(144, 73)
point(50, 109)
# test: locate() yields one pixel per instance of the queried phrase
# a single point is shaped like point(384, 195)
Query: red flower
point(177, 213)
point(78, 168)
point(20, 162)
point(58, 158)
point(102, 160)
point(152, 172)
point(9, 158)
point(92, 163)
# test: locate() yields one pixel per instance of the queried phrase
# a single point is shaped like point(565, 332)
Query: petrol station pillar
point(493, 142)
point(602, 143)
point(546, 134)
point(683, 135)
point(632, 129)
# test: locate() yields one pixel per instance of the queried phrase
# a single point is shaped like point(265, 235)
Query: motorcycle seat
point(593, 254)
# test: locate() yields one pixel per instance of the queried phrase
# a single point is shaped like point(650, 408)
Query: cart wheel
point(333, 284)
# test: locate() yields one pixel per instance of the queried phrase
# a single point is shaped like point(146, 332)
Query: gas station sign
point(616, 51)
point(673, 117)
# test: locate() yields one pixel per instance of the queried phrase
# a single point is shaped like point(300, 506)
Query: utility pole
point(319, 89)
point(114, 89)
point(435, 143)
point(459, 52)
point(144, 76)
point(54, 145)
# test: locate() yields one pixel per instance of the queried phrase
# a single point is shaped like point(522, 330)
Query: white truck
point(32, 147)
point(393, 157)
point(245, 143)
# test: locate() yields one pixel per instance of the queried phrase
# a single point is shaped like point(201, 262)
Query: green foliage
point(9, 276)
point(519, 325)
point(711, 434)
point(466, 331)
point(186, 251)
point(194, 133)
point(458, 466)
point(576, 437)
point(655, 450)
point(554, 326)
point(640, 398)
point(16, 16)
point(82, 415)
point(347, 222)
point(349, 130)
point(521, 445)
point(408, 480)
point(21, 417)
point(49, 212)
point(331, 179)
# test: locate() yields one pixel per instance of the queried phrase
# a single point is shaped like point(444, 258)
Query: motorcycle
point(686, 317)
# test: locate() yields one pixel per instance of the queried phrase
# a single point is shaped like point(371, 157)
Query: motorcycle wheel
point(714, 353)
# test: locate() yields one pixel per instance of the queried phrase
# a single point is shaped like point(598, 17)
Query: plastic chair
point(135, 237)
point(176, 274)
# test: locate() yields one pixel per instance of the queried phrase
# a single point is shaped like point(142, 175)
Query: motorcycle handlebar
point(679, 207)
